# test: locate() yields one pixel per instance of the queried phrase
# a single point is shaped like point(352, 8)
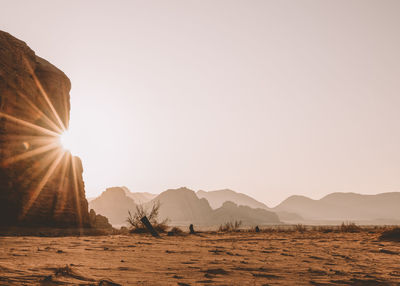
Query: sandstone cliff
point(40, 183)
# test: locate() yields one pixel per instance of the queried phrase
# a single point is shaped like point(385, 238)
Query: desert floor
point(244, 258)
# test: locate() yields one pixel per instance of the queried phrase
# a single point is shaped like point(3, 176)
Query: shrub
point(136, 225)
point(175, 231)
point(349, 227)
point(300, 228)
point(391, 235)
point(230, 226)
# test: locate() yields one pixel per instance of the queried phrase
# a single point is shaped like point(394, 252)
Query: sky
point(268, 98)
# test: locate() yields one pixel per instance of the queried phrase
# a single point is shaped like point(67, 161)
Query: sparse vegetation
point(300, 228)
point(136, 225)
point(230, 226)
point(175, 231)
point(391, 234)
point(349, 227)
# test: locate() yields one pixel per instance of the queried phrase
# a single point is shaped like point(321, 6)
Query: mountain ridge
point(344, 206)
point(185, 206)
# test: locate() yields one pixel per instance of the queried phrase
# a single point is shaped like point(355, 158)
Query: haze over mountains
point(383, 207)
point(114, 204)
point(219, 197)
point(183, 206)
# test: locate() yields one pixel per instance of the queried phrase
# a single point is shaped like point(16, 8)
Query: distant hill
point(219, 197)
point(345, 206)
point(230, 212)
point(114, 204)
point(139, 197)
point(182, 206)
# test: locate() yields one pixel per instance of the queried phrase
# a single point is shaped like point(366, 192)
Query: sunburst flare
point(35, 150)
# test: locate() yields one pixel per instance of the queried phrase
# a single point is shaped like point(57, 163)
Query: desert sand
point(236, 258)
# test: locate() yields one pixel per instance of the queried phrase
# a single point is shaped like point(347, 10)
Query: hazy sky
point(269, 98)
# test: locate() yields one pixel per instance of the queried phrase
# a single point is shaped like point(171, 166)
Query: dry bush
point(349, 227)
point(326, 229)
point(136, 225)
point(391, 235)
point(300, 228)
point(175, 231)
point(230, 226)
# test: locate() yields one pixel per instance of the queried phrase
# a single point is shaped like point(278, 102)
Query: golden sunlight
point(67, 142)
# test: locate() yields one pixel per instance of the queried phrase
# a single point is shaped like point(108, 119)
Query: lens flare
point(67, 141)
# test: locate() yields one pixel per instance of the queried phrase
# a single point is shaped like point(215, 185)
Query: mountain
point(182, 206)
point(230, 212)
point(345, 206)
point(139, 197)
point(114, 204)
point(219, 197)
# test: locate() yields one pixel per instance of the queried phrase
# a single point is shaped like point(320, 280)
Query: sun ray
point(31, 138)
point(41, 113)
point(28, 124)
point(44, 163)
point(76, 189)
point(29, 154)
point(42, 183)
point(44, 94)
point(61, 193)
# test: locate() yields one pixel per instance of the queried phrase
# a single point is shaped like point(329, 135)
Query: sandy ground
point(276, 258)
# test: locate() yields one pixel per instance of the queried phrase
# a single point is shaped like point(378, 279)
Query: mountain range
point(383, 207)
point(183, 206)
point(180, 206)
point(219, 197)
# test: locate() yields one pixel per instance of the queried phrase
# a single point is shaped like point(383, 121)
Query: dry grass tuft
point(300, 228)
point(230, 226)
point(350, 227)
point(175, 231)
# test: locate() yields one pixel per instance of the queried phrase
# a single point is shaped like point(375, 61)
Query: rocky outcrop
point(98, 221)
point(114, 204)
point(40, 183)
point(182, 206)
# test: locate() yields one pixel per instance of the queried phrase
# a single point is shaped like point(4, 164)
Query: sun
point(67, 142)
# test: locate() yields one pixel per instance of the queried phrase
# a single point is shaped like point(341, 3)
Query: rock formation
point(114, 204)
point(98, 221)
point(40, 183)
point(182, 207)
